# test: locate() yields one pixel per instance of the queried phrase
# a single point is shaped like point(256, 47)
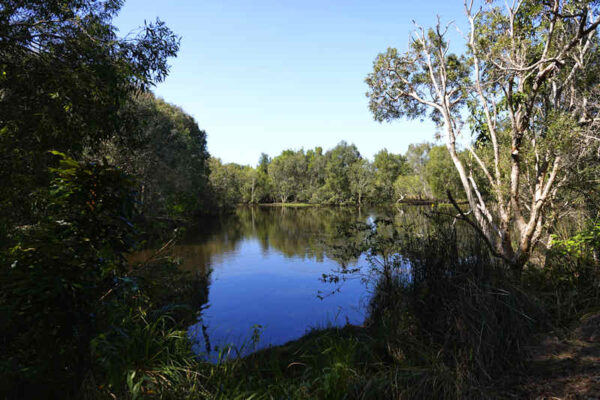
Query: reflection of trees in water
point(319, 232)
point(393, 243)
point(309, 232)
point(191, 257)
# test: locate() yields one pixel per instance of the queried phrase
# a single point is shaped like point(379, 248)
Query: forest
point(339, 176)
point(504, 260)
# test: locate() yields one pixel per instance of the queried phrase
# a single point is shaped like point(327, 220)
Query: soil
point(567, 368)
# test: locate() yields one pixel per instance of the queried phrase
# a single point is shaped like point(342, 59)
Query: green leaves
point(65, 77)
point(54, 275)
point(393, 78)
point(581, 244)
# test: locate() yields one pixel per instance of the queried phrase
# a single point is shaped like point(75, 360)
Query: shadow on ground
point(567, 368)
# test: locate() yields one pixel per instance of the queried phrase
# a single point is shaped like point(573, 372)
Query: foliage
point(569, 283)
point(362, 176)
point(287, 172)
point(584, 244)
point(225, 181)
point(410, 186)
point(87, 149)
point(448, 307)
point(54, 278)
point(339, 176)
point(65, 78)
point(168, 156)
point(388, 167)
point(441, 175)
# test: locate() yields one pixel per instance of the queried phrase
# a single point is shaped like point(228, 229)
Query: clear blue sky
point(264, 76)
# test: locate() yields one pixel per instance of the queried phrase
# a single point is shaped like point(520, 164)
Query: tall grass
point(456, 321)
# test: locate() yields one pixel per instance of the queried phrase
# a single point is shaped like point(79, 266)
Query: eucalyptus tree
point(263, 181)
point(416, 157)
point(410, 187)
point(226, 181)
point(388, 167)
point(337, 182)
point(263, 163)
point(440, 175)
point(529, 83)
point(414, 183)
point(317, 171)
point(362, 180)
point(255, 185)
point(288, 173)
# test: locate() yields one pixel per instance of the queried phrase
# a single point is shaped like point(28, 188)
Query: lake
point(266, 268)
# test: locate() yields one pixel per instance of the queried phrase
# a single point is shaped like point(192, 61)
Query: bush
point(569, 283)
point(55, 274)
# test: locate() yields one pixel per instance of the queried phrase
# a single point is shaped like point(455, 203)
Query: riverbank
point(409, 202)
point(288, 205)
point(352, 362)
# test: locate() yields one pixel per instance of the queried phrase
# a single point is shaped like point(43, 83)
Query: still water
point(265, 267)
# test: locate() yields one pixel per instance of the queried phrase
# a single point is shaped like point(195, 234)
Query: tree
point(440, 174)
point(528, 82)
point(388, 167)
point(226, 183)
point(414, 183)
point(288, 173)
point(66, 83)
point(317, 172)
point(263, 163)
point(416, 157)
point(362, 178)
point(64, 78)
point(254, 185)
point(410, 186)
point(264, 182)
point(167, 154)
point(337, 181)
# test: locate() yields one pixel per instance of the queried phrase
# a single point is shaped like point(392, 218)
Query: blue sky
point(265, 76)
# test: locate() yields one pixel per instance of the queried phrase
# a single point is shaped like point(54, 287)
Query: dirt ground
point(566, 368)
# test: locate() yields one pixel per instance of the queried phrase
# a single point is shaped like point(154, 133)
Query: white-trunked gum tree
point(526, 88)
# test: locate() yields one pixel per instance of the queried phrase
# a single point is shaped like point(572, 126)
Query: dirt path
point(567, 369)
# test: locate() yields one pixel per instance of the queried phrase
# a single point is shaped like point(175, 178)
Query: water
point(266, 267)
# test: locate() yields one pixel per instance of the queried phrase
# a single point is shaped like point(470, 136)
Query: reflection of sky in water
point(251, 286)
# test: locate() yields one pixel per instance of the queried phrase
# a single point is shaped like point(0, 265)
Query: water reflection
point(266, 267)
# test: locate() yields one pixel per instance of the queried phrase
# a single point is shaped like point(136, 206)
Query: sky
point(266, 76)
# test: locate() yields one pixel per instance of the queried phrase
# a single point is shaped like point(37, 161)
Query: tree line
point(340, 175)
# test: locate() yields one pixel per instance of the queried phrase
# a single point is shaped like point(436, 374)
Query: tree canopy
point(64, 78)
